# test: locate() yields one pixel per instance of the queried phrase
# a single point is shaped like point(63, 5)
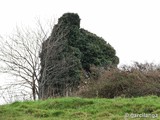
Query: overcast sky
point(132, 27)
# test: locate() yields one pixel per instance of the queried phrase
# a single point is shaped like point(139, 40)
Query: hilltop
point(81, 109)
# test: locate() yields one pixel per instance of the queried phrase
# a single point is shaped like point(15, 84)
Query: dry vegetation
point(128, 81)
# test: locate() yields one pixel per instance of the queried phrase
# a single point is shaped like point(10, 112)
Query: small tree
point(19, 55)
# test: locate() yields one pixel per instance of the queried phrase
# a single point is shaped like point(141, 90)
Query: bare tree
point(45, 64)
point(19, 56)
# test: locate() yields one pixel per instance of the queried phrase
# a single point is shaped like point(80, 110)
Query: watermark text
point(142, 115)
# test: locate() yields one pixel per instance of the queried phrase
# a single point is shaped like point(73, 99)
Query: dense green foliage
point(81, 109)
point(87, 47)
point(92, 50)
point(69, 51)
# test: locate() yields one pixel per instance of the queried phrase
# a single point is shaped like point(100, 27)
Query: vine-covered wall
point(69, 50)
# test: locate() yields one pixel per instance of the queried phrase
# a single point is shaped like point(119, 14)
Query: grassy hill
point(82, 109)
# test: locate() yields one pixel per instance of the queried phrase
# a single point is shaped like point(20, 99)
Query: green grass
point(81, 109)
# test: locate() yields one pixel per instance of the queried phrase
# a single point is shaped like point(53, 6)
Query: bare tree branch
point(19, 55)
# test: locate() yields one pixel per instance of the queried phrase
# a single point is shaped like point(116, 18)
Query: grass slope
point(81, 109)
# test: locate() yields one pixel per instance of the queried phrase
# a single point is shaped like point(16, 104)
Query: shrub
point(129, 81)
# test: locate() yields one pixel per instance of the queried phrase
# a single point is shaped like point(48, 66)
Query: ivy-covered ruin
point(67, 52)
